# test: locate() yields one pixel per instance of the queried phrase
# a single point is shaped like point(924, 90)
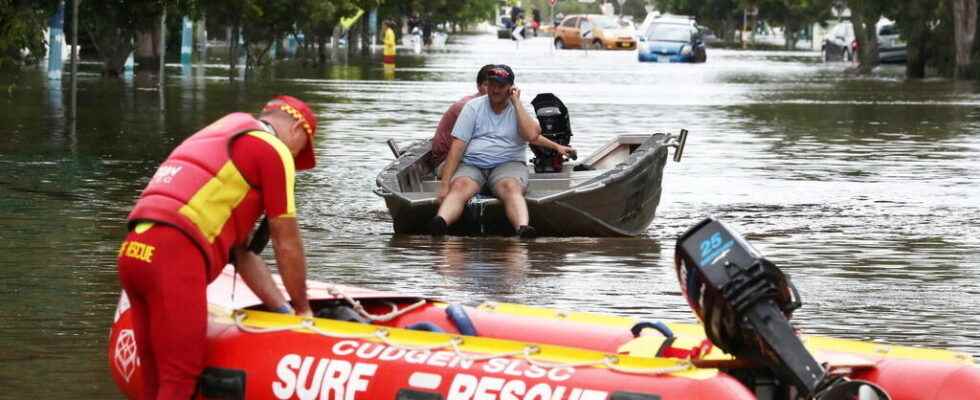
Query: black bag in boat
point(556, 126)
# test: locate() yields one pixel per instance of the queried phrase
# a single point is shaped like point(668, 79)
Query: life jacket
point(200, 191)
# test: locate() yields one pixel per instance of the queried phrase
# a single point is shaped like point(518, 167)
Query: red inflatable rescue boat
point(517, 352)
point(365, 344)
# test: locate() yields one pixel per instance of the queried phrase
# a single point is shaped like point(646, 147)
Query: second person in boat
point(488, 150)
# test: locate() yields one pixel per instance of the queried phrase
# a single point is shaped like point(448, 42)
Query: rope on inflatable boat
point(527, 354)
point(394, 313)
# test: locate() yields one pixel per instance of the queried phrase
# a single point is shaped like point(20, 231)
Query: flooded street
point(865, 190)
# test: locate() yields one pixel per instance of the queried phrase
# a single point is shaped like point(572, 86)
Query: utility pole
point(163, 39)
point(163, 52)
point(74, 58)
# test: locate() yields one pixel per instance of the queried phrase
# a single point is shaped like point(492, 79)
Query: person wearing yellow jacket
point(389, 43)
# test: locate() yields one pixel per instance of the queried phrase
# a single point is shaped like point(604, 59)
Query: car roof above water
point(674, 19)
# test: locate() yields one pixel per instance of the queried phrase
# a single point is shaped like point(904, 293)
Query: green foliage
point(573, 7)
point(470, 11)
point(22, 27)
point(111, 25)
point(722, 16)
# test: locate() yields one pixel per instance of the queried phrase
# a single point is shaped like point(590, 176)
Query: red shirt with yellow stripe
point(216, 184)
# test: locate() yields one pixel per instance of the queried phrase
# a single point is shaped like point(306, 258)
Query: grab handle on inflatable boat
point(659, 326)
point(425, 326)
point(457, 314)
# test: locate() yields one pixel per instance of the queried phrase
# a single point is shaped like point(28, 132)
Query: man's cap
point(301, 112)
point(481, 76)
point(502, 74)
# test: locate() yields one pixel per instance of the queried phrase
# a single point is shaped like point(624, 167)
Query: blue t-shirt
point(491, 139)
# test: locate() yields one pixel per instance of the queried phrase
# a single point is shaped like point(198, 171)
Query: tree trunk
point(115, 59)
point(365, 36)
point(233, 50)
point(321, 50)
point(791, 32)
point(114, 49)
point(869, 50)
point(964, 27)
point(916, 52)
point(791, 38)
point(866, 36)
point(352, 39)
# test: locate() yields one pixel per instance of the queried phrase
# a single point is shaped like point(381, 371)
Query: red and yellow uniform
point(203, 201)
point(389, 45)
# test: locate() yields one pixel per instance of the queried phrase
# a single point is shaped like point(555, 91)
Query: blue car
point(672, 40)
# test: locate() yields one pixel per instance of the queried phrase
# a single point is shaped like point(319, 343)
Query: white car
point(839, 44)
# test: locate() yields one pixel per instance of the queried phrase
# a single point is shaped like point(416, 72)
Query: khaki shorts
point(485, 176)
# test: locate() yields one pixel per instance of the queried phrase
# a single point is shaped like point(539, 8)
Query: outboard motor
point(745, 304)
point(556, 126)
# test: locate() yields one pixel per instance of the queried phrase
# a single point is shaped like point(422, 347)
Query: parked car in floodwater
point(891, 47)
point(672, 39)
point(840, 45)
point(594, 32)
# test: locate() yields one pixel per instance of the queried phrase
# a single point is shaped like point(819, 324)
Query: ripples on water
point(865, 190)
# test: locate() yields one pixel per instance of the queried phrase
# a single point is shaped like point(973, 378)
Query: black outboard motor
point(745, 303)
point(556, 126)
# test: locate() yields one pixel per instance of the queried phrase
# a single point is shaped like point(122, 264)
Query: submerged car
point(840, 44)
point(594, 32)
point(891, 47)
point(672, 40)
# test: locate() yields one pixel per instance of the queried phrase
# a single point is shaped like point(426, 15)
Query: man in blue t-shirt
point(488, 150)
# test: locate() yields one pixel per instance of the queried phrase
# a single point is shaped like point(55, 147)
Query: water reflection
point(498, 265)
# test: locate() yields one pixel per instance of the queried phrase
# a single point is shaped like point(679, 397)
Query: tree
point(112, 25)
point(864, 19)
point(916, 21)
point(22, 26)
point(794, 16)
point(964, 29)
point(720, 15)
point(229, 13)
point(318, 23)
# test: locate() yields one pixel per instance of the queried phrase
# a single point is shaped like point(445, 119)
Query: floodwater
point(865, 190)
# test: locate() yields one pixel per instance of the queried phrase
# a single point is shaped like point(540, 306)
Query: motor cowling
point(556, 125)
point(743, 301)
point(711, 254)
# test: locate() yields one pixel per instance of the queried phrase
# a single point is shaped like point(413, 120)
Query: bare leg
point(509, 192)
point(461, 190)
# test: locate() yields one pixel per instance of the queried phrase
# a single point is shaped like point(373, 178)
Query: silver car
point(891, 47)
point(839, 44)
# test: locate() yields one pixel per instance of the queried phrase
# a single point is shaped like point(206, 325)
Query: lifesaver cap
point(301, 112)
